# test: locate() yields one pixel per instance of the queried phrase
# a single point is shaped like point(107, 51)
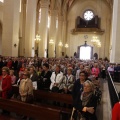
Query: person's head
point(20, 74)
point(32, 70)
point(81, 67)
point(23, 65)
point(57, 69)
point(27, 69)
point(11, 72)
point(95, 65)
point(87, 69)
point(40, 69)
point(83, 75)
point(5, 71)
point(45, 66)
point(93, 78)
point(88, 86)
point(26, 75)
point(69, 71)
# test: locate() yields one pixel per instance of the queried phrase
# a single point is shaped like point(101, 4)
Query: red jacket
point(116, 111)
point(6, 86)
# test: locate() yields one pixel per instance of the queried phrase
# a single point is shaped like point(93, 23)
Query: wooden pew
point(50, 96)
point(59, 97)
point(30, 110)
point(45, 95)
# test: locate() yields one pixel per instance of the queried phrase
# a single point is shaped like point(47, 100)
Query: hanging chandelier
point(96, 42)
point(37, 38)
point(51, 41)
point(66, 45)
point(60, 44)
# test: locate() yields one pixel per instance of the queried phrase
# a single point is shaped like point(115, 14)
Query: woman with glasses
point(26, 87)
point(86, 106)
point(78, 87)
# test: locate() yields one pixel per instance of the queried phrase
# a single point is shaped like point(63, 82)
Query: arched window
point(57, 23)
point(20, 6)
point(48, 21)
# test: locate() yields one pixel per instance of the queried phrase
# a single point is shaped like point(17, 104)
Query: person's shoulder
point(29, 80)
point(77, 81)
point(8, 76)
point(117, 104)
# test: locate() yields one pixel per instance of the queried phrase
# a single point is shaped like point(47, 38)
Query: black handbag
point(29, 99)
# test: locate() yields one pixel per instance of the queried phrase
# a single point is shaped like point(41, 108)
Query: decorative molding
point(87, 30)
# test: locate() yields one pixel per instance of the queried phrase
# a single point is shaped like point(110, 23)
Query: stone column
point(115, 38)
point(43, 28)
point(59, 36)
point(64, 34)
point(52, 33)
point(10, 34)
point(22, 28)
point(30, 28)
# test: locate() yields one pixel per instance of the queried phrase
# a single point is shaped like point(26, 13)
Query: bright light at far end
point(2, 1)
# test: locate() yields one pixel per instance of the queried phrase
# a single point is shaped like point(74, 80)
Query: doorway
point(85, 52)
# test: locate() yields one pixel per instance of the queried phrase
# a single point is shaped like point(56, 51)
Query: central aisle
point(104, 109)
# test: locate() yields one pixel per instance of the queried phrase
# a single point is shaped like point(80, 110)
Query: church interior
point(51, 50)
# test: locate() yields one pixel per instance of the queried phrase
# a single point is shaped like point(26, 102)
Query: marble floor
point(104, 109)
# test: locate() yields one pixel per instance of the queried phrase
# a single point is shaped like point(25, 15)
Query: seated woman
point(26, 87)
point(86, 106)
point(68, 82)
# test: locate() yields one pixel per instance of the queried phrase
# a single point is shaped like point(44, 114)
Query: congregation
point(61, 75)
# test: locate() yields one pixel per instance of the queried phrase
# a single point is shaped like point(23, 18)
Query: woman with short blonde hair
point(26, 87)
point(87, 103)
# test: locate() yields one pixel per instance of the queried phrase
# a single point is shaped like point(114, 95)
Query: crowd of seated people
point(63, 75)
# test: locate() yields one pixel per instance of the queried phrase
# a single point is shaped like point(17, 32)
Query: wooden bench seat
point(30, 110)
point(46, 99)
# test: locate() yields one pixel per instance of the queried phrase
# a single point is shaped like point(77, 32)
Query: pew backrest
point(30, 110)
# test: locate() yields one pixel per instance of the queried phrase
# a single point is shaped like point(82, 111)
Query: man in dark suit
point(44, 82)
point(15, 66)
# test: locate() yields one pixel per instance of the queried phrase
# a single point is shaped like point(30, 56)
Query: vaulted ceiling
point(66, 4)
